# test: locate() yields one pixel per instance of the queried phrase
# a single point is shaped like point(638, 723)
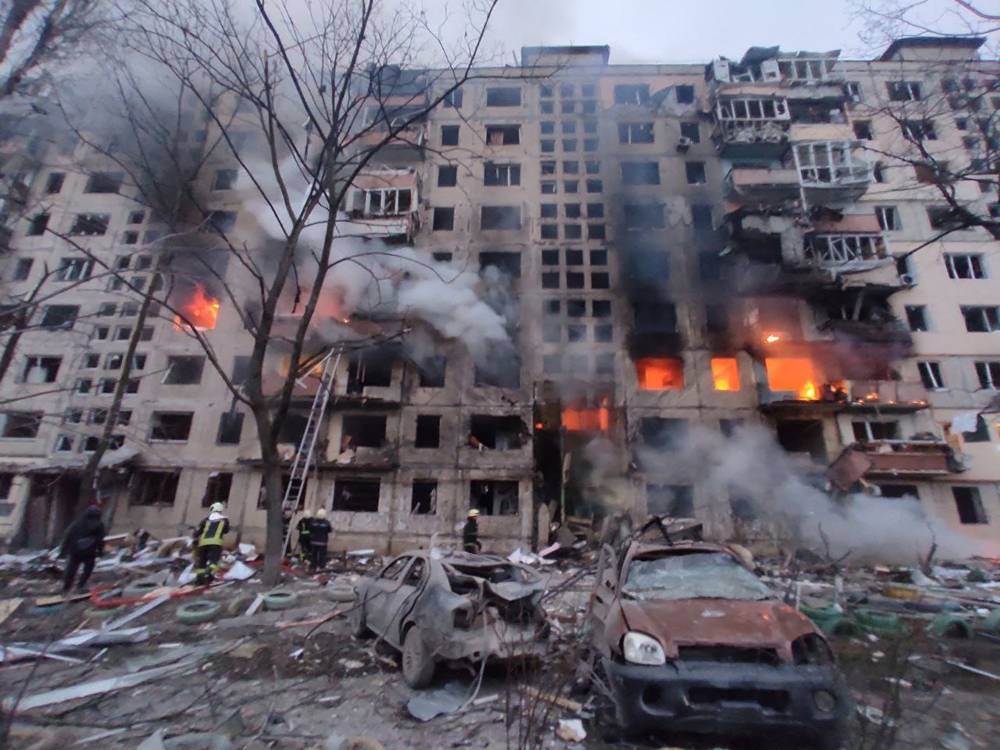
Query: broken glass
point(703, 575)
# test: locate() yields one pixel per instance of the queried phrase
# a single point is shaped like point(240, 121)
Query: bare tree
point(300, 105)
point(37, 34)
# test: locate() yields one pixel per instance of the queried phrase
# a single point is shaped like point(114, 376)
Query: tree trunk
point(272, 469)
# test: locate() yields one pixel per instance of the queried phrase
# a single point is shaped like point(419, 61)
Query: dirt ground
point(266, 684)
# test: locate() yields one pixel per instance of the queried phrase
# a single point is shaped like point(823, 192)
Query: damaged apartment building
point(673, 247)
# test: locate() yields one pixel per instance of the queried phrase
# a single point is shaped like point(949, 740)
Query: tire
point(340, 593)
point(356, 618)
point(140, 588)
point(418, 666)
point(275, 601)
point(198, 611)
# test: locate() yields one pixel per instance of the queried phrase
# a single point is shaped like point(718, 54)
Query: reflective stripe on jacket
point(212, 531)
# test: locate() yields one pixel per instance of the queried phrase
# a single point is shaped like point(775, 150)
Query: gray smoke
point(750, 465)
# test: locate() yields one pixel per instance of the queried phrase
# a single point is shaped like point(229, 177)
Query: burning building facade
point(665, 247)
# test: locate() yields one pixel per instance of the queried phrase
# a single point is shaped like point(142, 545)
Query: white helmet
point(217, 508)
point(321, 513)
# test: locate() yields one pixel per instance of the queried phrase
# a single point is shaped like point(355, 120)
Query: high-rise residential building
point(674, 251)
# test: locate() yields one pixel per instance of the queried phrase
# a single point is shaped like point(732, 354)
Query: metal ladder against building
point(303, 460)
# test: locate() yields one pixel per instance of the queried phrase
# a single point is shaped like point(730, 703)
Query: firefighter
point(208, 543)
point(286, 525)
point(470, 532)
point(83, 544)
point(319, 537)
point(303, 528)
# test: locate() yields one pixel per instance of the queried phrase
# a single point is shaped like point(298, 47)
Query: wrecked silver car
point(452, 607)
point(690, 641)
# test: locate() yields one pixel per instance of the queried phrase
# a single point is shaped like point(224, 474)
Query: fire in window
point(196, 308)
point(797, 375)
point(659, 373)
point(725, 374)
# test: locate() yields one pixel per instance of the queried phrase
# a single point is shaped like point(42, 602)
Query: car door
point(378, 602)
point(603, 596)
point(405, 597)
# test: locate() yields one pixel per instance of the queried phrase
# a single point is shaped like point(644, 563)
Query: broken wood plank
point(136, 613)
point(557, 700)
point(7, 607)
point(973, 670)
point(48, 601)
point(254, 605)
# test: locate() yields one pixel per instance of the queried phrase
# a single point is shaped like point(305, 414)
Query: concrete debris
point(571, 730)
point(239, 572)
point(427, 704)
point(136, 613)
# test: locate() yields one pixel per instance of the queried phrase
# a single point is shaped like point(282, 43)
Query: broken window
point(494, 497)
point(230, 428)
point(356, 495)
point(969, 505)
point(38, 224)
point(225, 179)
point(685, 94)
point(363, 372)
point(660, 373)
point(363, 431)
point(725, 373)
point(796, 375)
point(104, 182)
point(428, 431)
point(501, 175)
point(888, 218)
point(59, 317)
point(866, 431)
point(382, 202)
point(173, 426)
point(432, 372)
point(54, 183)
point(20, 424)
point(830, 163)
point(423, 498)
point(453, 99)
point(964, 265)
point(988, 374)
point(903, 91)
point(507, 263)
point(449, 135)
point(643, 216)
point(507, 375)
point(675, 500)
point(640, 173)
point(40, 369)
point(701, 216)
point(695, 171)
point(500, 217)
point(655, 317)
point(635, 132)
point(503, 96)
point(691, 131)
point(64, 443)
point(22, 269)
point(90, 224)
point(898, 491)
point(916, 317)
point(979, 435)
point(217, 488)
point(632, 93)
point(497, 432)
point(980, 318)
point(444, 219)
point(74, 269)
point(863, 130)
point(155, 487)
point(447, 176)
point(184, 370)
point(802, 436)
point(918, 130)
point(503, 135)
point(662, 432)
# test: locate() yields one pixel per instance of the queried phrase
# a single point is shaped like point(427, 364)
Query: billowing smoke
point(751, 466)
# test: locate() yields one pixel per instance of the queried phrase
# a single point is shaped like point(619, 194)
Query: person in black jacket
point(470, 532)
point(83, 544)
point(319, 537)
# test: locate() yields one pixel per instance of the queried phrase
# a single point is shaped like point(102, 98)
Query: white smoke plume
point(752, 466)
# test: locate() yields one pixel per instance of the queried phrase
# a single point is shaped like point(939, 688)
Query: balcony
point(404, 147)
point(803, 132)
point(751, 127)
point(881, 459)
point(870, 331)
point(383, 204)
point(751, 185)
point(829, 172)
point(887, 396)
point(846, 253)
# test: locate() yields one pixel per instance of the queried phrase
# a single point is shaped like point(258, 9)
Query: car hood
point(716, 621)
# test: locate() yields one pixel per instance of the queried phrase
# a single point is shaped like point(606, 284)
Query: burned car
point(438, 607)
point(690, 641)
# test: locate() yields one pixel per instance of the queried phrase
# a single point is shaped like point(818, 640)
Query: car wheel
point(418, 665)
point(359, 628)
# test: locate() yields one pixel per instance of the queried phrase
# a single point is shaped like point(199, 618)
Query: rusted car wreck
point(690, 641)
point(452, 607)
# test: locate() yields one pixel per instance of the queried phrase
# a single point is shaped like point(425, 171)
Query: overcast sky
point(692, 30)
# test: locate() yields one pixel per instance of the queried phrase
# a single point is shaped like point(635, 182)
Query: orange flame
point(725, 374)
point(772, 338)
point(201, 310)
point(796, 374)
point(659, 373)
point(587, 420)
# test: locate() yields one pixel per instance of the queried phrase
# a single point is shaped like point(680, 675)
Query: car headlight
point(639, 648)
point(811, 649)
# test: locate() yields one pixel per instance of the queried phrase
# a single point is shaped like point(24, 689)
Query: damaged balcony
point(886, 396)
point(383, 205)
point(751, 127)
point(846, 253)
point(762, 185)
point(882, 459)
point(831, 171)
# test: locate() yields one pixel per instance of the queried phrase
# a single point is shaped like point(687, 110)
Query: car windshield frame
point(692, 575)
